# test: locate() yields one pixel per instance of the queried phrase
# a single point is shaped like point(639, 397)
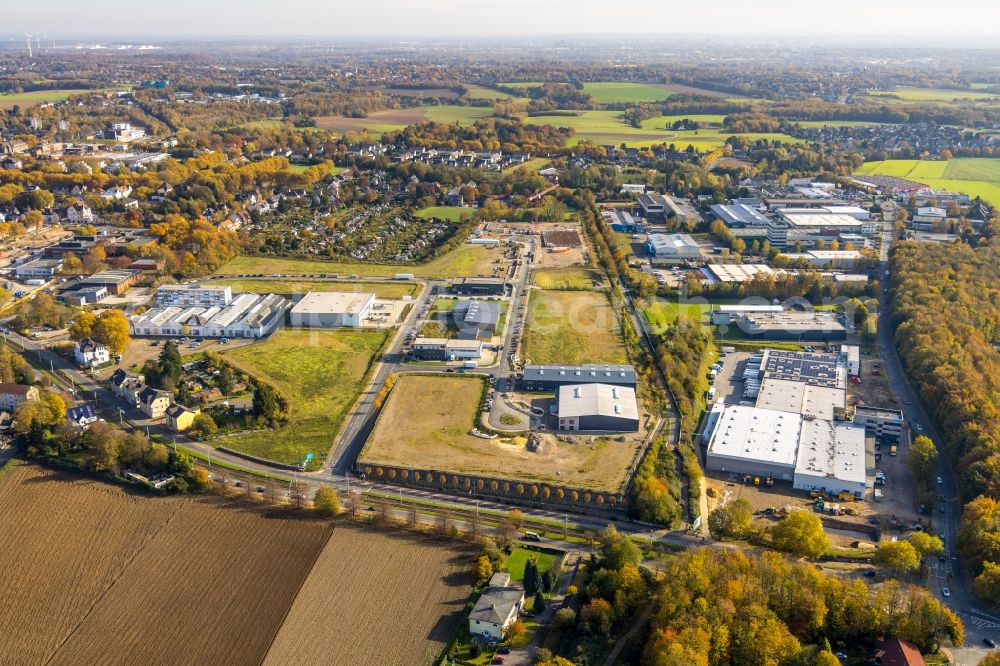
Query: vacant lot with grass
point(202, 581)
point(567, 278)
point(425, 425)
point(464, 261)
point(617, 92)
point(936, 95)
point(396, 119)
point(37, 97)
point(377, 610)
point(93, 573)
point(975, 176)
point(321, 373)
point(291, 287)
point(608, 128)
point(662, 312)
point(450, 213)
point(569, 327)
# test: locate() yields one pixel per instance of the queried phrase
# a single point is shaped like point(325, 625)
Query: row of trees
point(946, 313)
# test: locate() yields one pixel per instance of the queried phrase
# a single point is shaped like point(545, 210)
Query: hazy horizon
point(796, 21)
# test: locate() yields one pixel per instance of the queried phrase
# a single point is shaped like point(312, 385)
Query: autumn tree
point(325, 501)
point(732, 520)
point(897, 557)
point(112, 329)
point(923, 457)
point(82, 325)
point(800, 533)
point(617, 550)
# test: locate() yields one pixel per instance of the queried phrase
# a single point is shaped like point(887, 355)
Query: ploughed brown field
point(96, 575)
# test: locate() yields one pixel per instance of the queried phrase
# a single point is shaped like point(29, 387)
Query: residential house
point(154, 403)
point(496, 609)
point(80, 214)
point(13, 396)
point(11, 163)
point(127, 386)
point(90, 353)
point(180, 418)
point(116, 192)
point(82, 415)
point(896, 652)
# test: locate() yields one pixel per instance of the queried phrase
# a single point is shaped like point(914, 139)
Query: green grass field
point(514, 564)
point(449, 113)
point(607, 128)
point(662, 312)
point(463, 261)
point(321, 374)
point(535, 164)
point(394, 290)
point(617, 92)
point(572, 327)
point(38, 97)
point(566, 278)
point(450, 213)
point(936, 95)
point(973, 175)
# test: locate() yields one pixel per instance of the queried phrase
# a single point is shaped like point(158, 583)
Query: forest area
point(946, 314)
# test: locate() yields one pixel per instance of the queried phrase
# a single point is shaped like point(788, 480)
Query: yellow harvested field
point(426, 422)
point(379, 608)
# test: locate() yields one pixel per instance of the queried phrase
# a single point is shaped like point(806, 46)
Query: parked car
point(945, 591)
point(990, 642)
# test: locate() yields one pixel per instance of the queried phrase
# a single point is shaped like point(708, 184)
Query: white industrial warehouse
point(597, 407)
point(332, 309)
point(796, 430)
point(246, 316)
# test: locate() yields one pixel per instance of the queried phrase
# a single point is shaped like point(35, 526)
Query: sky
point(131, 19)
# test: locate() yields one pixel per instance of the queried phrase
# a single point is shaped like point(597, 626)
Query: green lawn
point(463, 261)
point(450, 213)
point(974, 176)
point(535, 164)
point(937, 95)
point(514, 564)
point(572, 327)
point(394, 290)
point(618, 92)
point(662, 312)
point(567, 278)
point(266, 123)
point(38, 97)
point(320, 373)
point(607, 128)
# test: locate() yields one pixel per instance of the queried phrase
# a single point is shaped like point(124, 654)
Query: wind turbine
point(28, 39)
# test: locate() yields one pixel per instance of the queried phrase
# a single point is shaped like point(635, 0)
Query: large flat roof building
point(886, 424)
point(476, 319)
point(831, 458)
point(189, 295)
point(739, 215)
point(332, 309)
point(482, 286)
point(798, 397)
point(598, 407)
point(814, 368)
point(792, 325)
point(247, 316)
point(736, 272)
point(681, 246)
point(750, 440)
point(551, 377)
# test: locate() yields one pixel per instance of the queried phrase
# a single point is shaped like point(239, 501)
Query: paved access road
point(979, 623)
